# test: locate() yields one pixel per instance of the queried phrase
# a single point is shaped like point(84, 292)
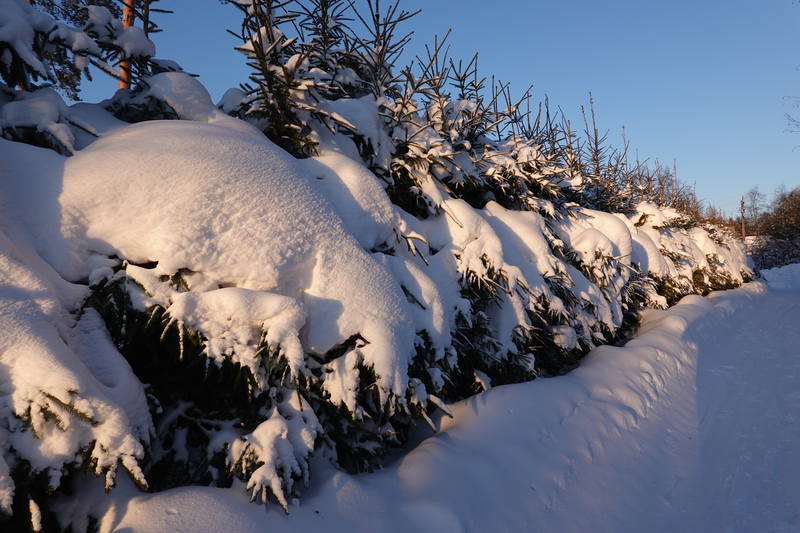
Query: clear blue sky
point(704, 82)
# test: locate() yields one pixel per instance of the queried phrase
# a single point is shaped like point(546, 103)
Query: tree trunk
point(741, 214)
point(125, 66)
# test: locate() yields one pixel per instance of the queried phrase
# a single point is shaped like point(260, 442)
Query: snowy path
point(747, 471)
point(694, 425)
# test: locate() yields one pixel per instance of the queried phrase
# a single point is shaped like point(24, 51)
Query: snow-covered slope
point(266, 259)
point(690, 426)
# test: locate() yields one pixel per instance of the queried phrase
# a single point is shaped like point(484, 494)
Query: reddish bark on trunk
point(125, 66)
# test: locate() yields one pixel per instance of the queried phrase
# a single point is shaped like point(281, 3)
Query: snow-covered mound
point(236, 211)
point(785, 278)
point(645, 437)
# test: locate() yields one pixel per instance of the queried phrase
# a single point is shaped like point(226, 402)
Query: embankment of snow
point(600, 449)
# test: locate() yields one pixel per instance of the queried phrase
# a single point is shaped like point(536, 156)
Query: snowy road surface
point(694, 425)
point(746, 471)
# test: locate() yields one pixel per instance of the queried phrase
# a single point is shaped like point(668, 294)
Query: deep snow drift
point(691, 426)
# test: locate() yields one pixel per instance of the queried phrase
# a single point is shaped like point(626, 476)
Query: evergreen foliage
point(54, 48)
point(75, 13)
point(39, 50)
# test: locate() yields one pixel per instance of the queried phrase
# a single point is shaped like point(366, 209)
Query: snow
point(202, 205)
point(94, 121)
point(364, 114)
point(786, 278)
point(358, 197)
point(134, 42)
point(18, 25)
point(44, 106)
point(21, 24)
point(43, 110)
point(99, 18)
point(259, 254)
point(683, 250)
point(45, 379)
point(181, 92)
point(233, 319)
point(73, 127)
point(691, 426)
point(338, 302)
point(282, 442)
point(645, 252)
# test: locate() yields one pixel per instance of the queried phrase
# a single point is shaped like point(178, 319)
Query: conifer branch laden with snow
point(34, 50)
point(33, 37)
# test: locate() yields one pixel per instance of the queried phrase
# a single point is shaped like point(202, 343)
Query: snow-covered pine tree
point(214, 416)
point(483, 151)
point(290, 76)
point(40, 52)
point(74, 13)
point(57, 417)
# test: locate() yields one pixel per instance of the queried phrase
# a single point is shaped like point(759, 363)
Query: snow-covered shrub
point(696, 259)
point(34, 48)
point(343, 304)
point(426, 246)
point(29, 38)
point(68, 400)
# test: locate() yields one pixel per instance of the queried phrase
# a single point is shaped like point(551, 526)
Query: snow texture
point(783, 278)
point(691, 426)
point(181, 92)
point(205, 212)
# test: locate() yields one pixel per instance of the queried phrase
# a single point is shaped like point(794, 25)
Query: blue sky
point(704, 82)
